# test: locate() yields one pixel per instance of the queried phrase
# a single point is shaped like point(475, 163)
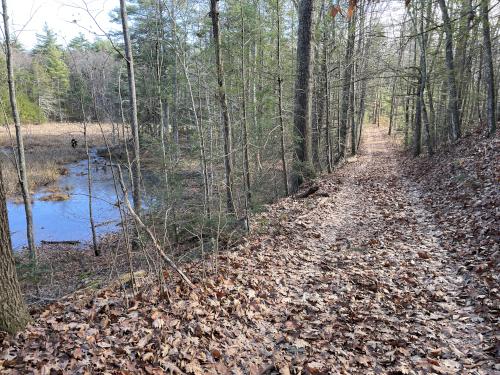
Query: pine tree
point(52, 74)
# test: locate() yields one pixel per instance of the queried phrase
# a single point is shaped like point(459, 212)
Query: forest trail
point(351, 280)
point(363, 279)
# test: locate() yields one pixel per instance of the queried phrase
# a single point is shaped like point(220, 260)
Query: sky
point(27, 18)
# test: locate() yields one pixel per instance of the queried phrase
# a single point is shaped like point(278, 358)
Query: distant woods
point(235, 103)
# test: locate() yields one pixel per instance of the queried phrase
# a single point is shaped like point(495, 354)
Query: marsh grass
point(55, 197)
point(48, 149)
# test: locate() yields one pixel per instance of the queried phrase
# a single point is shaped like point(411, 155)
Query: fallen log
point(308, 192)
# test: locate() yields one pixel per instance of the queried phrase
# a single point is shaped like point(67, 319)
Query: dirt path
point(354, 282)
point(365, 281)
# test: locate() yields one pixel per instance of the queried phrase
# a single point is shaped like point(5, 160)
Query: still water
point(69, 220)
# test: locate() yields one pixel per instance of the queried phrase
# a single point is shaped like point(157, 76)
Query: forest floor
point(390, 267)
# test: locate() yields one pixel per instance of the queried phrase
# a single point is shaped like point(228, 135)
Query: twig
point(141, 224)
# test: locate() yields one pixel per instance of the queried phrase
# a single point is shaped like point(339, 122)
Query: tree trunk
point(228, 164)
point(407, 114)
point(463, 65)
point(488, 69)
point(13, 313)
point(421, 115)
point(395, 81)
point(326, 83)
point(22, 172)
point(364, 52)
point(244, 130)
point(97, 251)
point(280, 100)
point(417, 126)
point(317, 118)
point(159, 67)
point(175, 84)
point(346, 87)
point(203, 152)
point(302, 116)
point(425, 118)
point(201, 140)
point(453, 109)
point(352, 119)
point(136, 164)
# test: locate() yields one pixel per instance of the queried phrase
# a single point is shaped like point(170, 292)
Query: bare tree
point(136, 165)
point(346, 87)
point(453, 109)
point(228, 163)
point(97, 251)
point(280, 100)
point(244, 130)
point(22, 172)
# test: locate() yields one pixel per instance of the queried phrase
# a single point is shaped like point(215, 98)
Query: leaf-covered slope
point(462, 188)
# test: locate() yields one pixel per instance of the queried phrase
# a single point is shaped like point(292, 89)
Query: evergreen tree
point(52, 74)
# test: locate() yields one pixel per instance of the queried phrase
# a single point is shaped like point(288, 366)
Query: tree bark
point(136, 164)
point(13, 313)
point(280, 100)
point(488, 69)
point(303, 94)
point(22, 171)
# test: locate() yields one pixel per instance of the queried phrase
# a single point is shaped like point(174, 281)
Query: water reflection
point(69, 220)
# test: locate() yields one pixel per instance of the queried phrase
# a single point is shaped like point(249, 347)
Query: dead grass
point(55, 197)
point(48, 149)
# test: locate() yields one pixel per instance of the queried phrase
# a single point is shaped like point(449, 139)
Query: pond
point(68, 220)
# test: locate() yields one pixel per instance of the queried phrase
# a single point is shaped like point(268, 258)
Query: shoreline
point(48, 150)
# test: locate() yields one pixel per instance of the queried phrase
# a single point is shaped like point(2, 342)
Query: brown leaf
point(423, 255)
point(216, 353)
point(351, 9)
point(78, 353)
point(314, 368)
point(334, 10)
point(144, 341)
